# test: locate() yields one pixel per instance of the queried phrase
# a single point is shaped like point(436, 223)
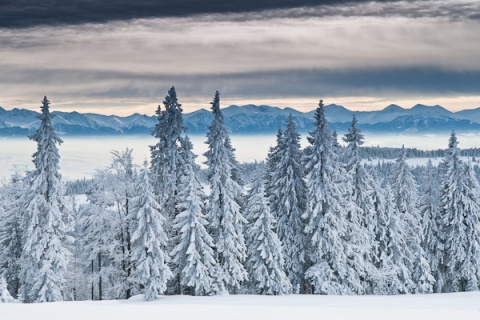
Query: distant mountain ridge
point(251, 119)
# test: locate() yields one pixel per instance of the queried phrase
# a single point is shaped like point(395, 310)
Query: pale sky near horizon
point(121, 56)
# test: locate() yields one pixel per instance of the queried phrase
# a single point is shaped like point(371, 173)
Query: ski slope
point(249, 307)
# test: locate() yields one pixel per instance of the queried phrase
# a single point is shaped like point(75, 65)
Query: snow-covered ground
point(406, 307)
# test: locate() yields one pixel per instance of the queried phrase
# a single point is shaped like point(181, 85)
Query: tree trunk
point(100, 289)
point(93, 297)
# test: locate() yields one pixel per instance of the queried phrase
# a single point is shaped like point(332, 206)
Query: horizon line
point(53, 109)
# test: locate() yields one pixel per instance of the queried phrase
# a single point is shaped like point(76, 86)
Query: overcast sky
point(122, 56)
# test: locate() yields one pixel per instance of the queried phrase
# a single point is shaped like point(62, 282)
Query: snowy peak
point(336, 113)
point(431, 110)
point(393, 108)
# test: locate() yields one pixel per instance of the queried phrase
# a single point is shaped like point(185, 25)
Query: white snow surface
point(465, 305)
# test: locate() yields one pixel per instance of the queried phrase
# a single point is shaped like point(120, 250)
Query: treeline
point(392, 153)
point(311, 221)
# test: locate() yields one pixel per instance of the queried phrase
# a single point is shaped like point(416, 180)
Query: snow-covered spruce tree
point(288, 204)
point(149, 241)
point(223, 211)
point(362, 195)
point(265, 261)
point(165, 165)
point(336, 267)
point(11, 233)
point(459, 231)
point(5, 296)
point(193, 255)
point(45, 222)
point(394, 275)
point(165, 153)
point(429, 212)
point(406, 198)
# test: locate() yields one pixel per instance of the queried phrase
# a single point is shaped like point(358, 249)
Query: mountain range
point(251, 119)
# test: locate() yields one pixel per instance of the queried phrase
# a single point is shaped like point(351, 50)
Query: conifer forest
point(318, 220)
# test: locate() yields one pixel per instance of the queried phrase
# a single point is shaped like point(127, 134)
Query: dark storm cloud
point(28, 13)
point(297, 83)
point(453, 10)
point(31, 13)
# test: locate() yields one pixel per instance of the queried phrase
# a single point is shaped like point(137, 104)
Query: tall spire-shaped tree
point(459, 231)
point(165, 154)
point(46, 220)
point(193, 256)
point(166, 162)
point(328, 228)
point(288, 204)
point(362, 195)
point(223, 211)
point(406, 198)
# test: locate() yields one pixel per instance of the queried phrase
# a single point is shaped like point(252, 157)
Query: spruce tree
point(165, 154)
point(166, 162)
point(11, 232)
point(265, 261)
point(429, 213)
point(288, 204)
point(193, 256)
point(149, 257)
point(5, 296)
point(46, 221)
point(394, 275)
point(332, 253)
point(224, 211)
point(459, 229)
point(406, 198)
point(362, 195)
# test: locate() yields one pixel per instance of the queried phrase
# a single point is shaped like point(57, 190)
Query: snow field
point(464, 306)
